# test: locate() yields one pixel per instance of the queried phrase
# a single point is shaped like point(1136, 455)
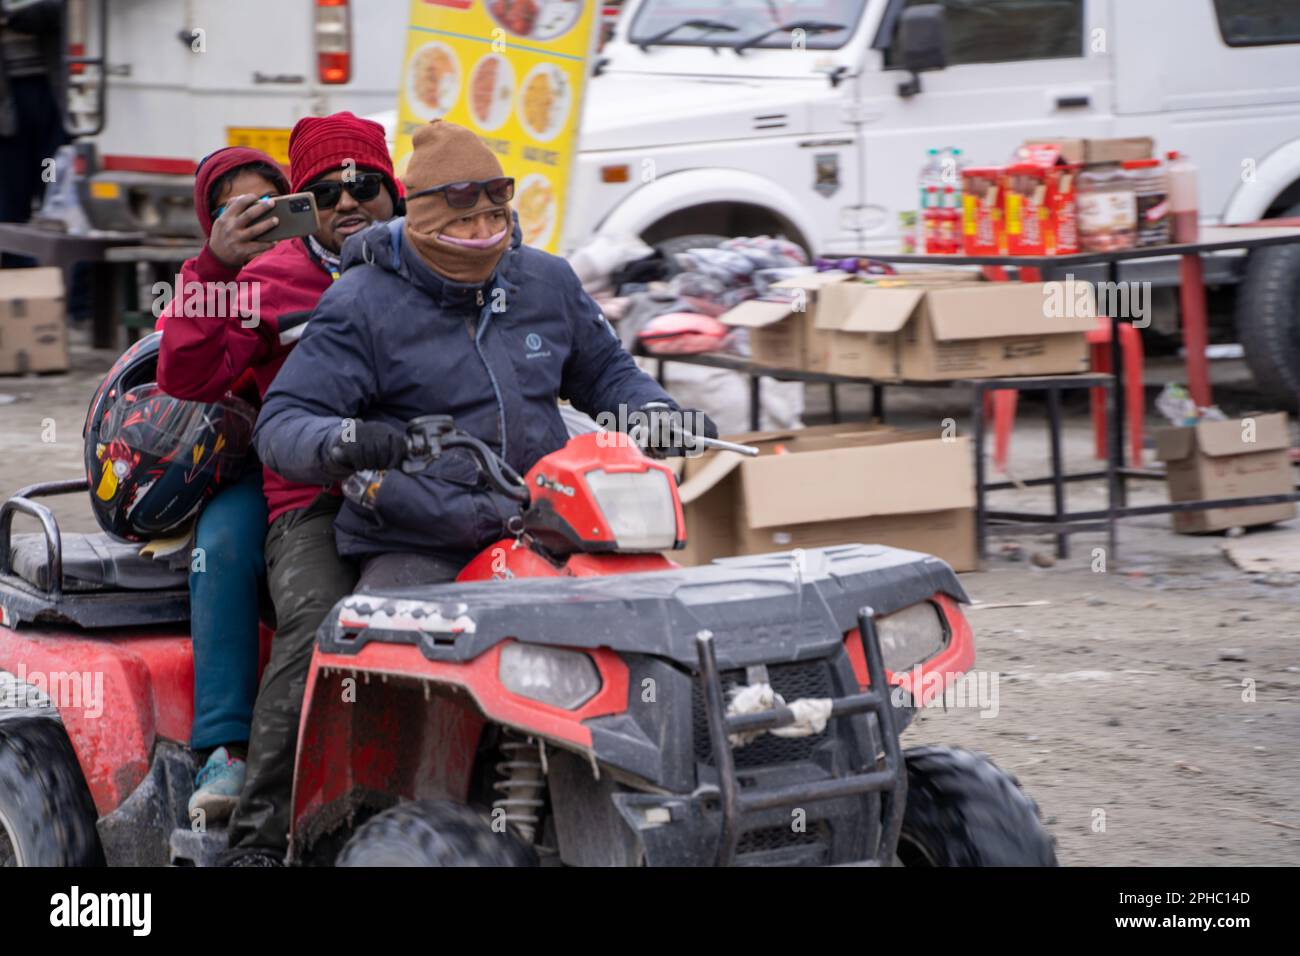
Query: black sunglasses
point(363, 188)
point(465, 195)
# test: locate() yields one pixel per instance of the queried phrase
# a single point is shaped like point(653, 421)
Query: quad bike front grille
point(792, 682)
point(770, 839)
point(883, 775)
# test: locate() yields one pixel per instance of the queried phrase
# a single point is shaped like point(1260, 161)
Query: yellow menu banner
point(514, 71)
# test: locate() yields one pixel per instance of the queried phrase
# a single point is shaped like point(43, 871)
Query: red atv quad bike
point(573, 698)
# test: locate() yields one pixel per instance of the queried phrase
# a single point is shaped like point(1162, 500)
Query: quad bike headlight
point(912, 635)
point(638, 505)
point(549, 675)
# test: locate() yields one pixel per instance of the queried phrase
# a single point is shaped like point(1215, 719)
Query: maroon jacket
point(204, 357)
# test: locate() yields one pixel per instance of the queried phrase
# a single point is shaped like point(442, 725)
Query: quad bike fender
point(115, 698)
point(386, 721)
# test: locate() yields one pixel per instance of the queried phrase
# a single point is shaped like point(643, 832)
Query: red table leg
point(1195, 327)
point(1002, 402)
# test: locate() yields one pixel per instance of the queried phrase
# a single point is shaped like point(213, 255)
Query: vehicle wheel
point(1268, 319)
point(962, 810)
point(670, 247)
point(433, 833)
point(47, 817)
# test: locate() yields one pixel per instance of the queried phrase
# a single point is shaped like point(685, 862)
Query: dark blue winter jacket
point(392, 340)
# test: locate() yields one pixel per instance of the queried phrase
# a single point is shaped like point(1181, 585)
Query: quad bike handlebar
point(428, 436)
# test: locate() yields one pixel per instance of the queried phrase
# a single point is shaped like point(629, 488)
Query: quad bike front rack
point(889, 780)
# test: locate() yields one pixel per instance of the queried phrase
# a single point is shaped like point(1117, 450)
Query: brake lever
point(703, 441)
point(689, 442)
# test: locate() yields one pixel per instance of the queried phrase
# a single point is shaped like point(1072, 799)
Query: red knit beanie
point(322, 144)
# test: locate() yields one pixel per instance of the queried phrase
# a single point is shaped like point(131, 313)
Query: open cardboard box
point(1246, 457)
point(957, 330)
point(829, 485)
point(33, 335)
point(783, 325)
point(784, 330)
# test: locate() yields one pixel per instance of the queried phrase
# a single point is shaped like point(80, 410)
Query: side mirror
point(922, 43)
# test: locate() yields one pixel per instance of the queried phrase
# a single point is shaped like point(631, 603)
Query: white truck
point(739, 117)
point(184, 77)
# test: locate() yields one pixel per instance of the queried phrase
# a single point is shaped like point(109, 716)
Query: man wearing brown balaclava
point(444, 312)
point(460, 231)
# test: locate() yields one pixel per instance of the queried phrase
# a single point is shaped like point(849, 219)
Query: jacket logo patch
point(533, 346)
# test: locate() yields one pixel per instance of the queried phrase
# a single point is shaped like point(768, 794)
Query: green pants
point(306, 578)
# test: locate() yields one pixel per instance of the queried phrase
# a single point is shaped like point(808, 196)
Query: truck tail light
point(333, 41)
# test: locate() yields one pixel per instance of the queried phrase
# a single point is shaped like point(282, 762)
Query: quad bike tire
point(962, 810)
point(1268, 319)
point(433, 833)
point(47, 817)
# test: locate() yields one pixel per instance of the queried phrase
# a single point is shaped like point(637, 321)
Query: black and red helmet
point(153, 460)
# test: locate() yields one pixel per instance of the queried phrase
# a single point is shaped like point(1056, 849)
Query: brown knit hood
point(447, 153)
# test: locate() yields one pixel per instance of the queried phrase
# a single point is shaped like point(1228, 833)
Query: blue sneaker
point(217, 786)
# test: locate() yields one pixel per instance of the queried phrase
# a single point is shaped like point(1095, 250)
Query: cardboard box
point(958, 330)
point(33, 334)
point(782, 325)
point(923, 277)
point(1094, 151)
point(1219, 460)
point(831, 485)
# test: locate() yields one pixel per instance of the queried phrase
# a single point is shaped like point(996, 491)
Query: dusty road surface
point(1151, 708)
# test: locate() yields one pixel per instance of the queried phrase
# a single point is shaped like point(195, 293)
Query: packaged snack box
point(983, 232)
point(1041, 203)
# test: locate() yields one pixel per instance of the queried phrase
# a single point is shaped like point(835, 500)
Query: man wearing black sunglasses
point(343, 160)
point(347, 203)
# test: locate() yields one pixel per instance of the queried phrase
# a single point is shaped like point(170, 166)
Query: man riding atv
point(573, 696)
point(443, 311)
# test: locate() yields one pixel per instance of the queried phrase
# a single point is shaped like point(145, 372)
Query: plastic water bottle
point(931, 201)
point(952, 166)
point(931, 179)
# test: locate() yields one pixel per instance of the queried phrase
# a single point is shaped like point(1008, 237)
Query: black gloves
point(371, 445)
point(659, 429)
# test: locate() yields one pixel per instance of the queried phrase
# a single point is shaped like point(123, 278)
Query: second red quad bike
point(574, 698)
